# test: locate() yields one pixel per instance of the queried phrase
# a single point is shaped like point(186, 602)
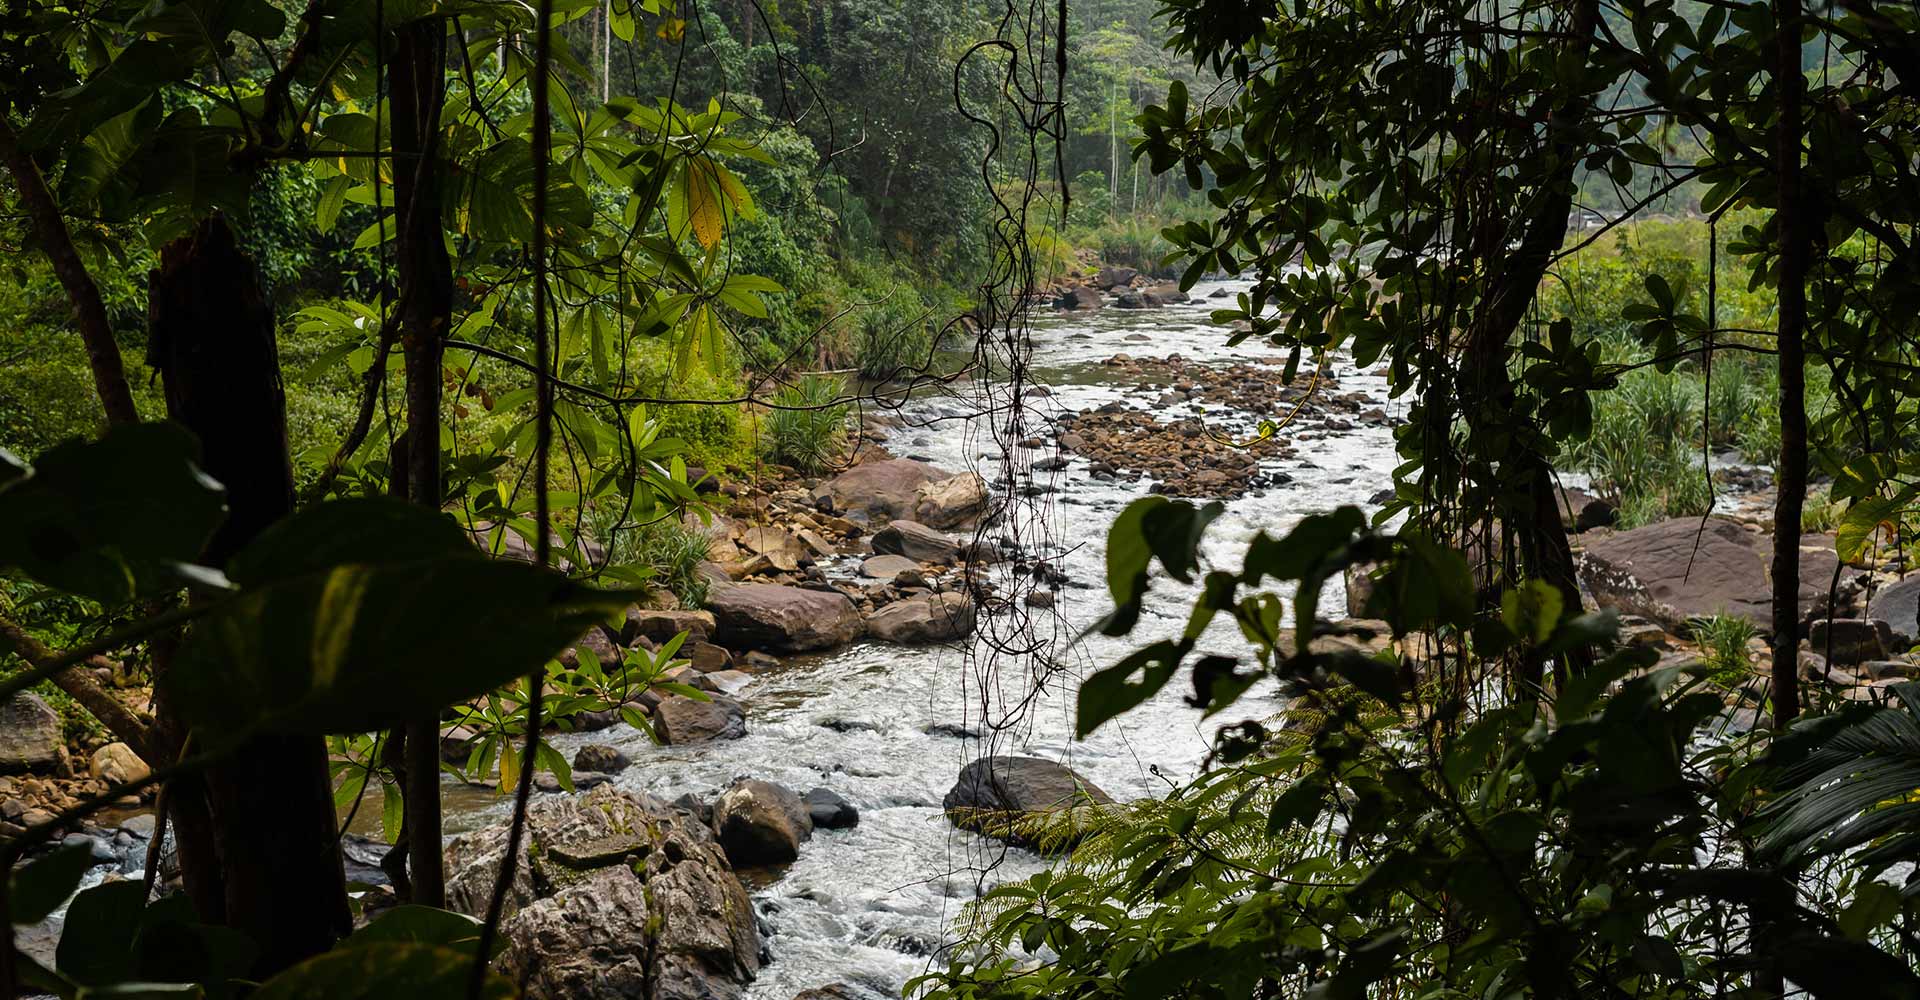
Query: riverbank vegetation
point(375, 374)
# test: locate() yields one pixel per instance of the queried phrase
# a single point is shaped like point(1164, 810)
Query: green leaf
point(383, 970)
point(419, 925)
point(1109, 692)
point(39, 888)
point(96, 941)
point(1864, 518)
point(358, 647)
point(112, 519)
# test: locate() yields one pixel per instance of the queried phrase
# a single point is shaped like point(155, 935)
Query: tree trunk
point(271, 803)
point(1790, 476)
point(89, 312)
point(426, 312)
point(1488, 389)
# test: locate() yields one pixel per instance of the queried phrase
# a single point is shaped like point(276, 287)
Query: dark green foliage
point(807, 424)
point(1364, 848)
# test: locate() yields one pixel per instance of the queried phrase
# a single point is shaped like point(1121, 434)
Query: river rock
point(593, 642)
point(1165, 293)
point(886, 567)
point(830, 811)
point(761, 823)
point(29, 735)
point(659, 626)
point(880, 490)
point(1111, 278)
point(117, 764)
point(915, 541)
point(1851, 641)
point(950, 502)
point(928, 618)
point(706, 657)
point(1679, 569)
point(994, 795)
point(728, 682)
point(600, 757)
point(1082, 297)
point(1898, 604)
point(784, 619)
point(679, 720)
point(616, 895)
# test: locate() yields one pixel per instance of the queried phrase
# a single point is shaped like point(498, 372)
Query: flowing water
point(875, 905)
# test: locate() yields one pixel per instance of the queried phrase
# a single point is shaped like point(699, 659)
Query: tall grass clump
point(1641, 451)
point(1723, 643)
point(806, 427)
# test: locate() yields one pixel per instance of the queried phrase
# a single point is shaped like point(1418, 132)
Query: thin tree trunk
point(271, 802)
point(426, 312)
point(89, 312)
point(1543, 540)
point(1790, 475)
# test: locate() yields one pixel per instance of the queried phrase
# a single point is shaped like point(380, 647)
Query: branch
point(90, 313)
point(81, 687)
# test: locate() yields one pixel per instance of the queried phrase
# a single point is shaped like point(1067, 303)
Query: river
point(874, 905)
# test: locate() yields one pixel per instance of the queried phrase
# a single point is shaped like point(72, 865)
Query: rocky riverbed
point(872, 734)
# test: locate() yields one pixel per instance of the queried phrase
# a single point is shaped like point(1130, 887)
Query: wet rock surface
point(1197, 429)
point(1685, 568)
point(782, 618)
point(1003, 796)
point(619, 895)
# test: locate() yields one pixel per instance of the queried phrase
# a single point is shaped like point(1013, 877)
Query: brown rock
point(680, 720)
point(784, 619)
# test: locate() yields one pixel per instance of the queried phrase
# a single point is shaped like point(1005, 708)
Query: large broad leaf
point(360, 616)
point(39, 888)
point(111, 519)
point(421, 925)
point(383, 970)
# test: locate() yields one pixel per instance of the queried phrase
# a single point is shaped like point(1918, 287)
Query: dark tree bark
point(89, 312)
point(269, 805)
point(1489, 390)
point(426, 311)
point(1790, 475)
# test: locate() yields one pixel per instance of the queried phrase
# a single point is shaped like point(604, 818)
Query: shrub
point(806, 426)
point(895, 338)
point(1723, 645)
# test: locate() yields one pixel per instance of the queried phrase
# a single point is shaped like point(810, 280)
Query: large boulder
point(602, 758)
point(679, 720)
point(761, 823)
point(1898, 604)
point(879, 490)
point(1851, 641)
point(830, 810)
point(783, 619)
point(29, 735)
point(926, 618)
point(886, 567)
point(1685, 568)
point(616, 895)
point(117, 764)
point(916, 541)
point(1023, 800)
point(1080, 297)
point(1112, 277)
point(950, 502)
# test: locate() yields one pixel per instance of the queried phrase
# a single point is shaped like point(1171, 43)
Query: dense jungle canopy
point(1372, 498)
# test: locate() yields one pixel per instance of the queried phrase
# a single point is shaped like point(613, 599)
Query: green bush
point(1723, 645)
point(895, 338)
point(670, 550)
point(806, 427)
point(1641, 450)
